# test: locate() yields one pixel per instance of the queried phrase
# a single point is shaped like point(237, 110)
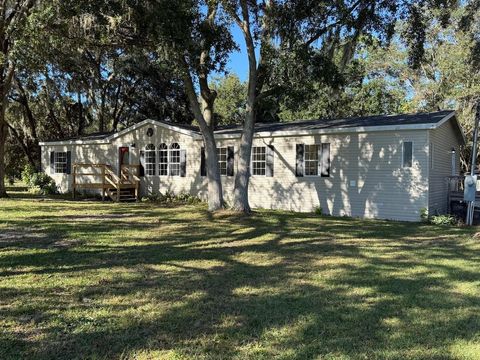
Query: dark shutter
point(69, 162)
point(183, 163)
point(203, 168)
point(230, 160)
point(299, 162)
point(141, 169)
point(52, 162)
point(407, 154)
point(325, 160)
point(270, 151)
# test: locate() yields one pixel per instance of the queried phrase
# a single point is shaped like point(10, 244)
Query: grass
point(95, 280)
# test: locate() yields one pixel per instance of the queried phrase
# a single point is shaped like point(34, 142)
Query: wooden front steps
point(127, 195)
point(101, 177)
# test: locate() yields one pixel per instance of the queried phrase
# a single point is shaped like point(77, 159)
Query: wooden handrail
point(107, 178)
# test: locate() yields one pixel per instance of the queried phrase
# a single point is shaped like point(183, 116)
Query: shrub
point(424, 214)
point(171, 198)
point(38, 182)
point(318, 210)
point(443, 220)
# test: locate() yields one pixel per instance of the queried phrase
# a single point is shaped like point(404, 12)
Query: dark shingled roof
point(92, 136)
point(364, 121)
point(320, 124)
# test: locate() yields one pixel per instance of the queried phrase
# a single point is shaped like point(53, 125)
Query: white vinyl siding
point(443, 140)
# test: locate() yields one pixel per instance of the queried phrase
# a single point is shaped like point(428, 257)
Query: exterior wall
point(367, 178)
point(443, 139)
point(108, 154)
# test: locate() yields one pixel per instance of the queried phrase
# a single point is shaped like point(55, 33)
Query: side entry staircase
point(102, 177)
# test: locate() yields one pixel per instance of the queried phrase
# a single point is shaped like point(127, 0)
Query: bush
point(38, 182)
point(171, 198)
point(318, 210)
point(443, 220)
point(424, 214)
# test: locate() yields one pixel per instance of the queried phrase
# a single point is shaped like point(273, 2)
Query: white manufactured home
point(388, 167)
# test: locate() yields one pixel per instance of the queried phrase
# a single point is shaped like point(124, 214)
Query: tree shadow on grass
point(278, 285)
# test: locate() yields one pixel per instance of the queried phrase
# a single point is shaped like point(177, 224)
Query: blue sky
point(238, 63)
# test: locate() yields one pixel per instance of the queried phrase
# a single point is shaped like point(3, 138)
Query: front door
point(123, 157)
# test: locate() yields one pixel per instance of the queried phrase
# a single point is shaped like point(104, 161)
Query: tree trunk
point(3, 140)
point(215, 193)
point(204, 117)
point(242, 178)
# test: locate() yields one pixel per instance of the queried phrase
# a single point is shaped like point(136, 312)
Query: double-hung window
point(222, 155)
point(150, 159)
point(174, 160)
point(163, 160)
point(311, 160)
point(259, 160)
point(60, 162)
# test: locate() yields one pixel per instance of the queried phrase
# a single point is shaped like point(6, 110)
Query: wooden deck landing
point(101, 177)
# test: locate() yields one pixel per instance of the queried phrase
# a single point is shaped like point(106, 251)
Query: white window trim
point(319, 151)
point(264, 161)
point(154, 150)
point(170, 162)
point(403, 154)
point(225, 148)
point(160, 149)
point(62, 163)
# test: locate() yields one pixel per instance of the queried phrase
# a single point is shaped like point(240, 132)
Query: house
point(388, 167)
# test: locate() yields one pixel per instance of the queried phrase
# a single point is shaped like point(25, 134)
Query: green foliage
point(443, 220)
point(173, 199)
point(424, 214)
point(318, 210)
point(38, 182)
point(230, 103)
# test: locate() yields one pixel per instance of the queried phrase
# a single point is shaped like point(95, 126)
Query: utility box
point(470, 188)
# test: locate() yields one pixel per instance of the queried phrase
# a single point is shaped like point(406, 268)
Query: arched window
point(150, 159)
point(163, 159)
point(174, 160)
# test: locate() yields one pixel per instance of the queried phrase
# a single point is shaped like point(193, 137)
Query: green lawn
point(140, 281)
